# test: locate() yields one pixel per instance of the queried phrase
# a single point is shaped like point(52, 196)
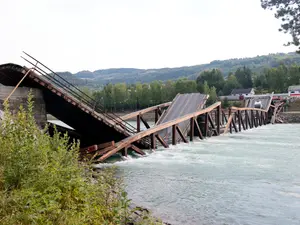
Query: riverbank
point(290, 117)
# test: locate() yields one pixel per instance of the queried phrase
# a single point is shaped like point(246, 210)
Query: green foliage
point(213, 77)
point(130, 76)
point(244, 77)
point(225, 103)
point(288, 12)
point(230, 84)
point(212, 96)
point(119, 97)
point(42, 181)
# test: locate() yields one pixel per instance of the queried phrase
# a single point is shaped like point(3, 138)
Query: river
point(252, 177)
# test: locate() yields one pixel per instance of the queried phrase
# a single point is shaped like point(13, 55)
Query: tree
point(289, 13)
point(213, 77)
point(231, 83)
point(225, 103)
point(212, 96)
point(244, 77)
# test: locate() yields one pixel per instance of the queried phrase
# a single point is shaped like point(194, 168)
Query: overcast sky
point(74, 35)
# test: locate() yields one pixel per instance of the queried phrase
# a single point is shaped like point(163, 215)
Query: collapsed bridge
point(104, 134)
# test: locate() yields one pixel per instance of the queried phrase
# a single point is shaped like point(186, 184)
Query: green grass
point(42, 181)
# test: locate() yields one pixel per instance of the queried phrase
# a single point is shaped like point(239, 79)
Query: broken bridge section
point(182, 105)
point(69, 104)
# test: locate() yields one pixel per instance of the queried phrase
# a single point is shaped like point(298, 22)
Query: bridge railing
point(60, 82)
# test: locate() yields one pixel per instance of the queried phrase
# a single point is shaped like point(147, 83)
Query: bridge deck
point(182, 105)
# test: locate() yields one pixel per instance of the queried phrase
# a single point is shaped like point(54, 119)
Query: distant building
point(294, 91)
point(242, 92)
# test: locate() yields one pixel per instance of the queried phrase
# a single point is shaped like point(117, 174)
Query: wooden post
point(198, 129)
point(162, 141)
point(230, 125)
point(242, 121)
point(214, 129)
point(252, 119)
point(206, 124)
point(156, 115)
point(124, 152)
point(239, 119)
point(258, 119)
point(144, 122)
point(234, 125)
point(246, 119)
point(192, 129)
point(138, 123)
point(266, 118)
point(218, 119)
point(153, 141)
point(181, 134)
point(174, 141)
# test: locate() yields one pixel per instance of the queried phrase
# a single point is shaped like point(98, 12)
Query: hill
point(132, 75)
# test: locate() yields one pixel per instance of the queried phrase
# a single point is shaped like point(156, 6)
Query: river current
point(252, 177)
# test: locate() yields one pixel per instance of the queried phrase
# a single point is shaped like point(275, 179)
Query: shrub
point(42, 181)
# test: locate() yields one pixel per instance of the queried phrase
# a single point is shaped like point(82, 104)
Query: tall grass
point(42, 181)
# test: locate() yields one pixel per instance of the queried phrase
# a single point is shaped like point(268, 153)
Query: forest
point(102, 77)
point(128, 97)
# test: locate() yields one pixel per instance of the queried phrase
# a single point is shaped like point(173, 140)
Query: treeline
point(119, 97)
point(130, 75)
point(122, 96)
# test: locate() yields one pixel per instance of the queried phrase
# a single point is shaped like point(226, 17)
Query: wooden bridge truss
point(205, 123)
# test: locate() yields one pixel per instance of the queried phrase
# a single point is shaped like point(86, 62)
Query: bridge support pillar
point(153, 141)
point(192, 129)
point(206, 124)
point(174, 141)
point(138, 123)
point(240, 120)
point(218, 119)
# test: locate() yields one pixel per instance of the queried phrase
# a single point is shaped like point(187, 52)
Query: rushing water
point(248, 178)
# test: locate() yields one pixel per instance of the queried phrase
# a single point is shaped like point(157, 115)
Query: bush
point(42, 181)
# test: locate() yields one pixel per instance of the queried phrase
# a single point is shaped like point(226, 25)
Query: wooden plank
point(162, 141)
point(234, 125)
point(212, 125)
point(103, 151)
point(144, 122)
point(228, 125)
point(255, 109)
point(143, 111)
point(155, 129)
point(181, 134)
point(94, 148)
point(137, 150)
point(198, 129)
